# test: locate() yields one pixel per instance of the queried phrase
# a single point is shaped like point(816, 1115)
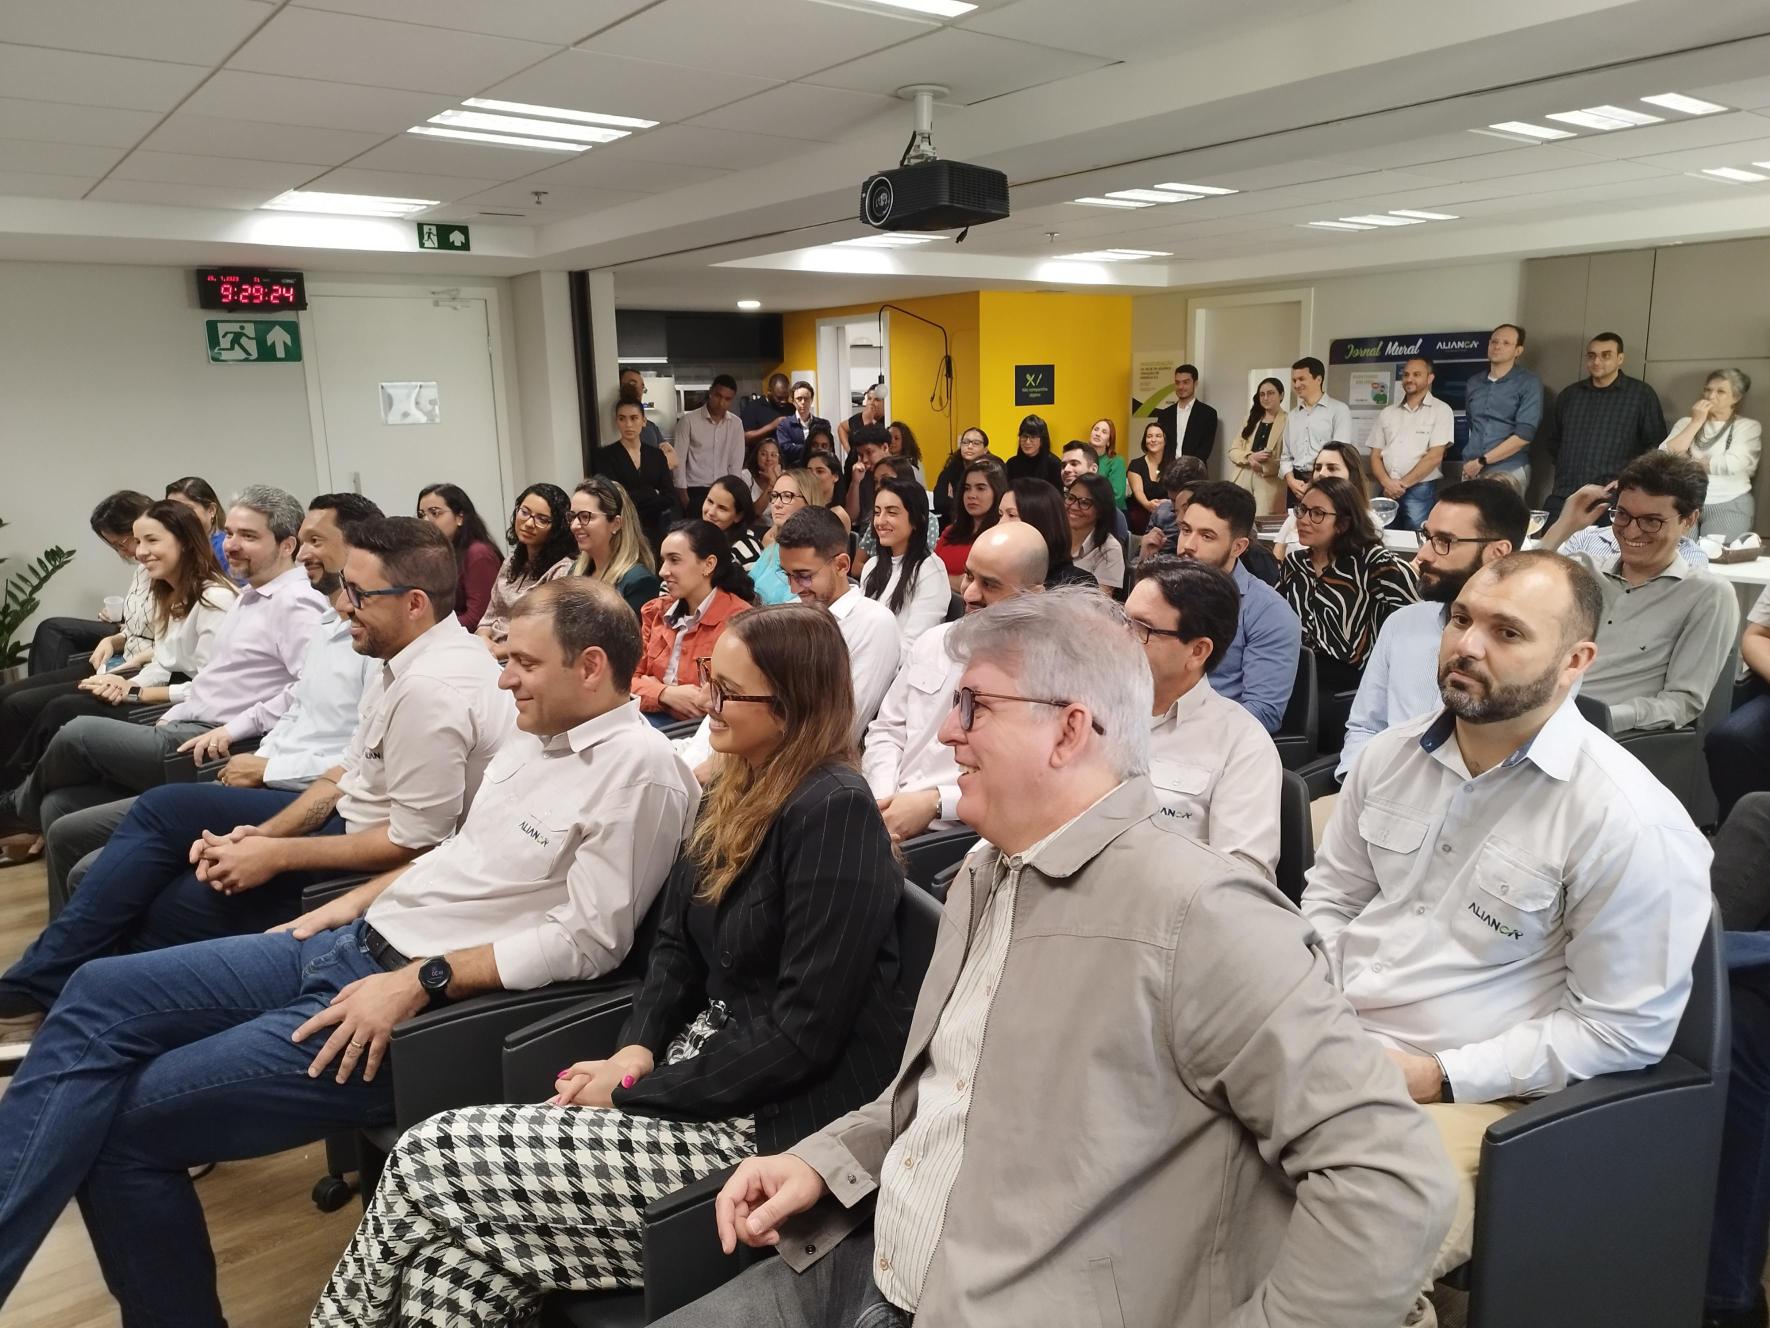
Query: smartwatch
point(434, 975)
point(1444, 1090)
point(1483, 460)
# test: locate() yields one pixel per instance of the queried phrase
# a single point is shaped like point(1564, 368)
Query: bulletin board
point(1365, 373)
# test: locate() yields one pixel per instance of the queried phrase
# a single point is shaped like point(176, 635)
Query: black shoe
point(1758, 1316)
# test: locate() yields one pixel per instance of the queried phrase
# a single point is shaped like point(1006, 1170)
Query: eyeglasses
point(1081, 502)
point(1143, 631)
point(356, 594)
point(1621, 518)
point(780, 496)
point(1316, 514)
point(966, 698)
point(581, 518)
point(1443, 544)
point(805, 578)
point(717, 696)
point(541, 519)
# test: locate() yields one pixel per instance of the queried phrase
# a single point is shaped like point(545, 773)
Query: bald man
point(911, 772)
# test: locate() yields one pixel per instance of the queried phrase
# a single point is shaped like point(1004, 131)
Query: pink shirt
point(250, 678)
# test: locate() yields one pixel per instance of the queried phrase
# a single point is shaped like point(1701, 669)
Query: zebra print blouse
point(1344, 607)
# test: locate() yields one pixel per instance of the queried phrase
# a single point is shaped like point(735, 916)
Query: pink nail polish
point(562, 1074)
point(627, 1081)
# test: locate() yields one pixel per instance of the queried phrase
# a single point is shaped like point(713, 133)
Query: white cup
point(113, 608)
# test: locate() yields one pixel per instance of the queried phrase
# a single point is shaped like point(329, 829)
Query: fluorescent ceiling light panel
point(1592, 119)
point(502, 140)
point(1735, 174)
point(1524, 129)
point(939, 8)
point(1197, 189)
point(1114, 202)
point(1149, 196)
point(1625, 114)
point(1677, 101)
point(513, 124)
point(892, 240)
point(1339, 226)
point(559, 113)
point(1141, 253)
point(1418, 215)
point(748, 305)
point(1382, 219)
point(349, 205)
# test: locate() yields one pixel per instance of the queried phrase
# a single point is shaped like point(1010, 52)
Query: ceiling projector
point(926, 194)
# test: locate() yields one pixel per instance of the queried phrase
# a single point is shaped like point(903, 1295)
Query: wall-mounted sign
point(252, 289)
point(256, 341)
point(410, 403)
point(444, 235)
point(1035, 384)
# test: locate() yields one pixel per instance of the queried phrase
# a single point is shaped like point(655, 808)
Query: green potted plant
point(20, 601)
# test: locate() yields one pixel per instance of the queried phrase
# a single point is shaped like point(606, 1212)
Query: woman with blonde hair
point(611, 541)
point(770, 1007)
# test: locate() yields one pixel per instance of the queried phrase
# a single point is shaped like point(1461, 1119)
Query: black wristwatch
point(1482, 459)
point(434, 975)
point(1444, 1089)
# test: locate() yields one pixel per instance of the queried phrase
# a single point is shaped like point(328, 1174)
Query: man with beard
point(1474, 523)
point(1509, 900)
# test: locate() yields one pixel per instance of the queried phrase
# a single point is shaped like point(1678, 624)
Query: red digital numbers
point(221, 289)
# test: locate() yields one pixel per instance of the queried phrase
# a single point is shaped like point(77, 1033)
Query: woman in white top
point(191, 598)
point(1093, 544)
point(904, 575)
point(1726, 445)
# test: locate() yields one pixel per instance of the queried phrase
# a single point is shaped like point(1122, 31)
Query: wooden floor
point(274, 1249)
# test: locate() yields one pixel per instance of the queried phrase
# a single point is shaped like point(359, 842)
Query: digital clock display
point(245, 288)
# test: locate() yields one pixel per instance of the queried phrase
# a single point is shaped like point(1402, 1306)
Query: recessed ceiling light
point(350, 205)
point(1114, 202)
point(1148, 196)
point(1422, 216)
point(1735, 174)
point(891, 240)
point(560, 113)
point(1524, 129)
point(502, 140)
point(748, 305)
point(512, 124)
point(1141, 253)
point(1339, 226)
point(939, 8)
point(1197, 189)
point(1626, 114)
point(1594, 119)
point(1112, 256)
point(1382, 219)
point(1677, 101)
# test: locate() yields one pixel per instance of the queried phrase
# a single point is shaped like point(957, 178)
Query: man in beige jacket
point(1130, 1095)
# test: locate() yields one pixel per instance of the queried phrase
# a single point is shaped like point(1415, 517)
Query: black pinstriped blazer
point(803, 953)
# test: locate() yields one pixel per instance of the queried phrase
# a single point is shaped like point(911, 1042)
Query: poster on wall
point(1035, 384)
point(1365, 373)
point(1152, 380)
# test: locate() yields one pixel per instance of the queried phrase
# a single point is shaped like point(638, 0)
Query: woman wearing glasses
point(1335, 461)
point(1341, 582)
point(794, 491)
point(611, 547)
point(704, 589)
point(771, 1006)
point(950, 483)
point(1093, 546)
point(541, 548)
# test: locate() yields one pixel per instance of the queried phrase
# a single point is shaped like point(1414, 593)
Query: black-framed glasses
point(717, 696)
point(541, 519)
point(1080, 501)
point(576, 519)
point(1313, 514)
point(780, 496)
point(1443, 544)
point(966, 698)
point(356, 594)
point(1143, 631)
point(1621, 518)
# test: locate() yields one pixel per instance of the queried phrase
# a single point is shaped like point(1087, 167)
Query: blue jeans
point(153, 1063)
point(1738, 752)
point(1416, 505)
point(1742, 1196)
point(141, 894)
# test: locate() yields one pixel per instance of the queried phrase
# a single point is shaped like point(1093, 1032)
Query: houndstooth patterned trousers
point(480, 1212)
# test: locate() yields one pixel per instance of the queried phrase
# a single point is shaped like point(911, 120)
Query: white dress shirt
point(186, 644)
point(311, 738)
point(1529, 926)
point(1404, 434)
point(925, 606)
point(903, 751)
point(1400, 678)
point(1307, 428)
point(432, 719)
point(566, 846)
point(1217, 774)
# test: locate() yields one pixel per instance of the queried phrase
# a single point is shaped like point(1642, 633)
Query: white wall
point(105, 384)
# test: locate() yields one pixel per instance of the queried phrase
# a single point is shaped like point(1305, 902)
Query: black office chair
point(1299, 730)
point(182, 768)
point(955, 608)
point(682, 728)
point(1593, 1205)
point(683, 1261)
point(1296, 836)
point(927, 856)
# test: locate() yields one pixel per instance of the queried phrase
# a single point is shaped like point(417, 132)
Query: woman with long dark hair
point(1339, 461)
point(704, 588)
point(904, 575)
point(905, 448)
point(611, 542)
point(973, 446)
point(541, 548)
point(980, 495)
point(1040, 505)
point(1033, 458)
point(196, 493)
point(728, 505)
point(1093, 545)
point(1256, 453)
point(1144, 478)
point(771, 1006)
point(645, 473)
point(477, 557)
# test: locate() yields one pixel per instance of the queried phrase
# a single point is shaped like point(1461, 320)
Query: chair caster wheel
point(330, 1193)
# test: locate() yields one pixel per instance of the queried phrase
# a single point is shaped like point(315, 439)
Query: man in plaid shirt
point(1601, 423)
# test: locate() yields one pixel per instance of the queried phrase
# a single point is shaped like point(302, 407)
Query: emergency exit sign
point(444, 235)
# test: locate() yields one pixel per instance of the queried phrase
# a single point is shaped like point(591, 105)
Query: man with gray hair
point(1184, 1123)
point(244, 689)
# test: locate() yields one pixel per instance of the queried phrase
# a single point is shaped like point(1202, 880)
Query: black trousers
point(58, 638)
point(32, 709)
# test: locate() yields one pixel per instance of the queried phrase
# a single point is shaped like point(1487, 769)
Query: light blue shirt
point(1400, 679)
point(1600, 542)
point(770, 581)
point(1260, 667)
point(1499, 408)
point(1307, 428)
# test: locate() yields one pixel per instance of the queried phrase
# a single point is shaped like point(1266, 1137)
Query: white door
point(368, 351)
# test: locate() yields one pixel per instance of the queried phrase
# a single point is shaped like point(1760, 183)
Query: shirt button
point(1504, 889)
point(725, 959)
point(960, 1086)
point(1421, 910)
point(811, 1249)
point(1376, 968)
point(908, 1162)
point(884, 1264)
point(1444, 848)
point(851, 1179)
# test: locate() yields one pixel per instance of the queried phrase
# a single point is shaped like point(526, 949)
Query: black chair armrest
point(315, 893)
point(148, 714)
point(1318, 775)
point(926, 856)
point(682, 728)
point(181, 769)
point(1558, 1110)
point(683, 1261)
point(586, 1030)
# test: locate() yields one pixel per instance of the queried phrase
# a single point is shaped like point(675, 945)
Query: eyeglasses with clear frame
point(966, 698)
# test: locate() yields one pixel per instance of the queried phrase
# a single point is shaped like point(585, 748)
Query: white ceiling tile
point(94, 80)
point(622, 166)
point(557, 22)
point(1727, 154)
point(974, 66)
point(799, 110)
point(214, 136)
point(562, 201)
point(232, 94)
point(788, 37)
point(1522, 161)
point(30, 184)
point(181, 195)
point(441, 156)
point(691, 145)
point(380, 54)
point(267, 177)
point(614, 85)
point(1678, 135)
point(55, 122)
point(1578, 177)
point(397, 184)
point(1748, 93)
point(1128, 29)
point(20, 154)
point(183, 31)
point(1419, 151)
